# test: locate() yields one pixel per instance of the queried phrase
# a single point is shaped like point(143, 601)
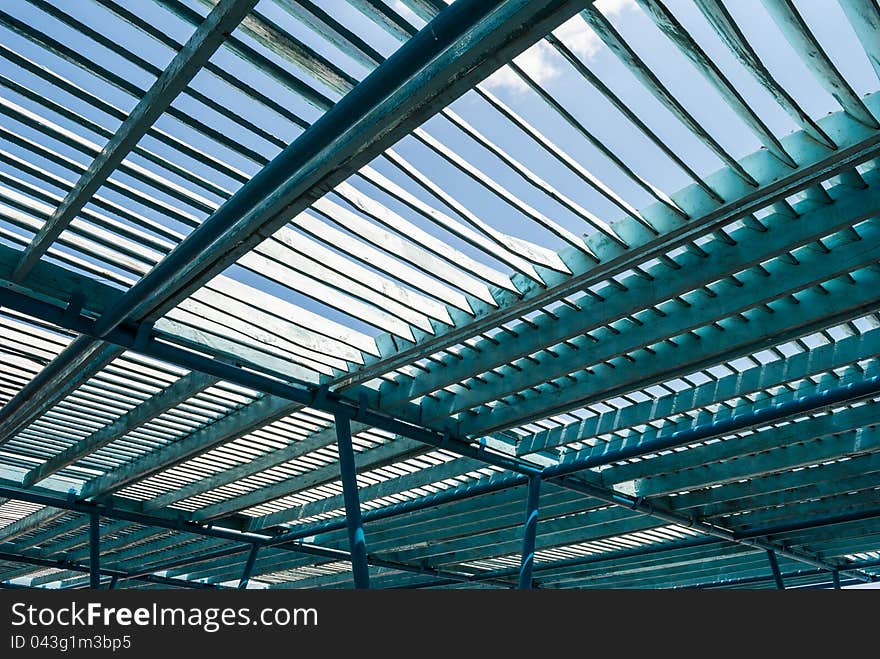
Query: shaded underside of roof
point(625, 252)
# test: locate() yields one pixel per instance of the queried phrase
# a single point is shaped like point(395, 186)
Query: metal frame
point(684, 393)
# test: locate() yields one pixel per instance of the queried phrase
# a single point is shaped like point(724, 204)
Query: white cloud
point(539, 61)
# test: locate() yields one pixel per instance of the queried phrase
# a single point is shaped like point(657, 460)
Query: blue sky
point(545, 66)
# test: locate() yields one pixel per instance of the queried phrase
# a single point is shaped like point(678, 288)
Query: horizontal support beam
point(318, 398)
point(839, 300)
point(696, 309)
point(857, 144)
point(60, 564)
point(178, 392)
point(243, 540)
point(219, 24)
point(806, 404)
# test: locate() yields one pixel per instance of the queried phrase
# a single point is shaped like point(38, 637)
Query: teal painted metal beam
point(255, 415)
point(871, 513)
point(658, 576)
point(774, 568)
point(819, 361)
point(28, 523)
point(839, 300)
point(17, 557)
point(864, 16)
point(706, 216)
point(843, 538)
point(809, 579)
point(94, 551)
point(790, 454)
point(424, 74)
point(639, 504)
point(210, 35)
point(807, 47)
point(421, 478)
point(317, 440)
point(472, 494)
point(666, 21)
point(178, 392)
point(248, 567)
point(374, 458)
point(729, 32)
point(73, 366)
point(435, 45)
point(849, 502)
point(624, 472)
point(530, 529)
point(698, 310)
point(500, 512)
point(753, 566)
point(140, 543)
point(829, 398)
point(665, 551)
point(725, 498)
point(242, 541)
point(329, 401)
point(503, 537)
point(356, 538)
point(856, 474)
point(618, 45)
point(715, 261)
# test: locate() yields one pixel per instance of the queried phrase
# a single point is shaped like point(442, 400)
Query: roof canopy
point(621, 255)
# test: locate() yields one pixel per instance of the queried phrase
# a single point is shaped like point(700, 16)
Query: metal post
point(113, 580)
point(357, 540)
point(530, 530)
point(248, 567)
point(94, 551)
point(835, 578)
point(774, 565)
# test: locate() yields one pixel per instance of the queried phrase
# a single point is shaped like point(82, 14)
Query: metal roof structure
point(295, 297)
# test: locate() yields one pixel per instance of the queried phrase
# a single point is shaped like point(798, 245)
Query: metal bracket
point(320, 395)
point(143, 335)
point(74, 306)
point(362, 406)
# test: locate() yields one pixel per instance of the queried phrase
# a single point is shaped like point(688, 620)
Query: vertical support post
point(774, 565)
point(248, 567)
point(530, 530)
point(113, 580)
point(835, 579)
point(356, 538)
point(94, 551)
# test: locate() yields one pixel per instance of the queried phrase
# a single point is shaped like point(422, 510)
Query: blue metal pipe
point(61, 564)
point(748, 581)
point(529, 532)
point(356, 539)
point(48, 498)
point(803, 405)
point(453, 495)
point(94, 551)
point(690, 543)
point(128, 336)
point(812, 523)
point(774, 567)
point(641, 505)
point(248, 567)
point(245, 541)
